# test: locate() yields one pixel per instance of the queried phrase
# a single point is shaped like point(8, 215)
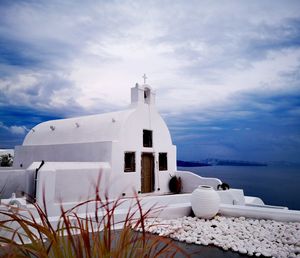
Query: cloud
point(15, 129)
point(18, 129)
point(215, 67)
point(201, 57)
point(265, 135)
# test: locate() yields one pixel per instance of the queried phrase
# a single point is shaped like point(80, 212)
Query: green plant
point(6, 160)
point(88, 236)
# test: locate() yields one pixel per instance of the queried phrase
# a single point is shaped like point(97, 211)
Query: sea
point(275, 185)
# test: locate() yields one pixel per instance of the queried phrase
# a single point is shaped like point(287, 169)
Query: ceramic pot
point(205, 202)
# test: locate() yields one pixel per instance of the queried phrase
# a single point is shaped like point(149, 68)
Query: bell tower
point(142, 94)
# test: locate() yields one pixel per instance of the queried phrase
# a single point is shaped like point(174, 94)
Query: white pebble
point(243, 235)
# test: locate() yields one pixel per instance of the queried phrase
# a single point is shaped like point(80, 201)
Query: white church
point(134, 146)
point(129, 152)
point(124, 154)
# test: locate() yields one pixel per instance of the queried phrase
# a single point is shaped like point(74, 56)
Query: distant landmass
point(218, 162)
point(284, 163)
point(181, 163)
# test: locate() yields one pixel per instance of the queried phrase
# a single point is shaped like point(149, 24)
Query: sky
point(226, 73)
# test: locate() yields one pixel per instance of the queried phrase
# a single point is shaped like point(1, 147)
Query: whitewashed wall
point(103, 138)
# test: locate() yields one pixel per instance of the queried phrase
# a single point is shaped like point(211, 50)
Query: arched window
point(147, 95)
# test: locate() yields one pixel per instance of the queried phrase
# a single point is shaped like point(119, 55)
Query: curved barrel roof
point(94, 128)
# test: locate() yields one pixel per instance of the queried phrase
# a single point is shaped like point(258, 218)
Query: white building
point(132, 149)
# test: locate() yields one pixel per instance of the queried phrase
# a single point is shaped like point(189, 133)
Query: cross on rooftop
point(145, 78)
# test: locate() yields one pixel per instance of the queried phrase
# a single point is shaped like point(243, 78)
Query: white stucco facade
point(104, 139)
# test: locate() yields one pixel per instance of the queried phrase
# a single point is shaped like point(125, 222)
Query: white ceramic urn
point(205, 202)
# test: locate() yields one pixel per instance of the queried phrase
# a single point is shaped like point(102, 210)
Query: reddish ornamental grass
point(89, 236)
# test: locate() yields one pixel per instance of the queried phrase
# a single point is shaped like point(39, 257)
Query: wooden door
point(147, 173)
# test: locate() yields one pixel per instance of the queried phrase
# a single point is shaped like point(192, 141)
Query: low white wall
point(69, 183)
point(12, 181)
point(262, 212)
point(232, 196)
point(191, 181)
